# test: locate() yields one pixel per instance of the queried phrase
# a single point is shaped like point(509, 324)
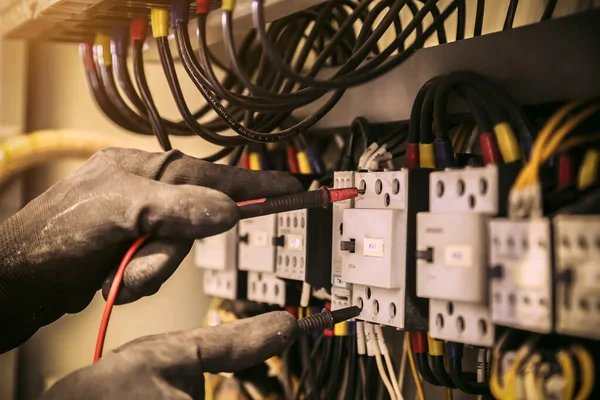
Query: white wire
point(384, 377)
point(374, 157)
point(365, 156)
point(388, 361)
point(305, 295)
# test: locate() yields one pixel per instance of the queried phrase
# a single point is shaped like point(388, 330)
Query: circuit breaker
point(256, 247)
point(376, 236)
point(302, 246)
point(577, 252)
point(217, 255)
point(341, 291)
point(452, 250)
point(520, 272)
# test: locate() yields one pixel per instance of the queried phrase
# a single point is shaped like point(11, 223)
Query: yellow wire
point(447, 394)
point(588, 375)
point(568, 371)
point(531, 390)
point(496, 387)
point(530, 174)
point(413, 366)
point(510, 376)
point(540, 379)
point(588, 172)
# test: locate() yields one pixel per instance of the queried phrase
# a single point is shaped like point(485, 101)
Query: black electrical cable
point(510, 14)
point(316, 347)
point(97, 89)
point(424, 369)
point(322, 366)
point(374, 67)
point(140, 78)
point(461, 19)
point(141, 122)
point(336, 371)
point(426, 120)
point(439, 371)
point(240, 129)
point(441, 31)
point(351, 381)
point(457, 375)
point(479, 15)
point(500, 96)
point(236, 155)
point(549, 10)
point(415, 113)
point(169, 69)
point(358, 55)
point(122, 74)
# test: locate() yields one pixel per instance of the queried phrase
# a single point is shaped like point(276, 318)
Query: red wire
point(112, 295)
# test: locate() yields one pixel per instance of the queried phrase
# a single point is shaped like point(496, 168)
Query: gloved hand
point(171, 366)
point(61, 248)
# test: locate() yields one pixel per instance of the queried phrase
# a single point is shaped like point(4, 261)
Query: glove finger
point(238, 345)
point(176, 211)
point(174, 167)
point(152, 265)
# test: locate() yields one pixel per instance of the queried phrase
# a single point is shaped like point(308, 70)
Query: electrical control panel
point(223, 284)
point(452, 250)
point(376, 234)
point(521, 274)
point(302, 246)
point(256, 247)
point(577, 252)
point(341, 291)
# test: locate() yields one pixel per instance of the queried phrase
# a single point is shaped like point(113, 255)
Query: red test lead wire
point(112, 295)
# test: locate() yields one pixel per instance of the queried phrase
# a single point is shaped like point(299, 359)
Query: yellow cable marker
point(102, 43)
point(254, 161)
point(341, 329)
point(159, 18)
point(426, 155)
point(588, 172)
point(436, 347)
point(228, 5)
point(507, 141)
point(303, 163)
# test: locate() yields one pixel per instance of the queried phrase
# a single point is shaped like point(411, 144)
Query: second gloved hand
point(65, 245)
point(171, 366)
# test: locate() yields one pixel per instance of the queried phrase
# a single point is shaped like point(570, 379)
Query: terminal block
point(377, 244)
point(341, 291)
point(521, 274)
point(267, 288)
point(302, 246)
point(230, 284)
point(452, 254)
point(577, 253)
point(255, 241)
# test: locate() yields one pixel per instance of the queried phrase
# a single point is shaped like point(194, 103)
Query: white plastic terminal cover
point(469, 190)
point(217, 252)
point(458, 265)
point(257, 252)
point(379, 255)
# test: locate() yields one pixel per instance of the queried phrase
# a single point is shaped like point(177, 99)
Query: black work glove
point(171, 366)
point(66, 244)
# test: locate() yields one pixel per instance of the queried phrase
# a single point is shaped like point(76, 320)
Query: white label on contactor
point(373, 247)
point(294, 242)
point(260, 239)
point(458, 256)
